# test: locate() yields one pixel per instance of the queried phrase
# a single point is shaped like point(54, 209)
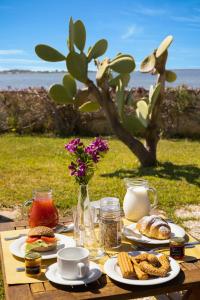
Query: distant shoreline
point(18, 71)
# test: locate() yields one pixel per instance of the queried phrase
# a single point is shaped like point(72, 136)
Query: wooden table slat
point(37, 287)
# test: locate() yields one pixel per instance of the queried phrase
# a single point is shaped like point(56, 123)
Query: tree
point(109, 92)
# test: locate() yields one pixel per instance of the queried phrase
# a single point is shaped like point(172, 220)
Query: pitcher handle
point(155, 202)
point(25, 204)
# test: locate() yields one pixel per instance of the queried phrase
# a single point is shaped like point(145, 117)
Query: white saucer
point(94, 274)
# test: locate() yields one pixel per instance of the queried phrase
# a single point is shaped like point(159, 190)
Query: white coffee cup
point(73, 262)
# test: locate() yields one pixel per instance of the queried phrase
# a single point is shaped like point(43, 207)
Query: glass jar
point(33, 264)
point(110, 223)
point(177, 247)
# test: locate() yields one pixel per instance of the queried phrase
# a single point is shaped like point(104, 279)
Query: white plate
point(17, 247)
point(175, 231)
point(113, 271)
point(94, 274)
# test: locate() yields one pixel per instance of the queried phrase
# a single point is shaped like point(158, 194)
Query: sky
point(134, 27)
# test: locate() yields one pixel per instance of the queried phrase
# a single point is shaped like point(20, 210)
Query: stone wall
point(32, 111)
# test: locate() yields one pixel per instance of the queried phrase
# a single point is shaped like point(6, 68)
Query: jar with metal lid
point(110, 223)
point(177, 247)
point(33, 264)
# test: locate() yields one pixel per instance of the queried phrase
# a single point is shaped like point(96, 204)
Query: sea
point(10, 81)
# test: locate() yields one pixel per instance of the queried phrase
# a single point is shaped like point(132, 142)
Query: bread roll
point(154, 227)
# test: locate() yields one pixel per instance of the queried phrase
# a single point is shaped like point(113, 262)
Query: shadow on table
point(167, 170)
point(93, 287)
point(4, 219)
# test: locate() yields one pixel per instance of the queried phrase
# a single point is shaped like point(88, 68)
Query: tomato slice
point(48, 239)
point(31, 239)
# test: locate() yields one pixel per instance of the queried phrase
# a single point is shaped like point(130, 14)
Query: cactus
point(70, 41)
point(97, 50)
point(89, 106)
point(109, 91)
point(170, 76)
point(154, 92)
point(148, 64)
point(77, 66)
point(120, 98)
point(124, 77)
point(48, 53)
point(79, 35)
point(142, 112)
point(70, 85)
point(102, 68)
point(59, 94)
point(124, 64)
point(164, 45)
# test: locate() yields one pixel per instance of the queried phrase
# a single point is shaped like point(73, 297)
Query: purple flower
point(72, 168)
point(82, 168)
point(73, 145)
point(95, 148)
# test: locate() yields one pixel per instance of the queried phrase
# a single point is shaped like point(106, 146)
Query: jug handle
point(155, 202)
point(25, 204)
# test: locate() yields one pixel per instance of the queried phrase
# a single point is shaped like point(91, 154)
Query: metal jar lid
point(177, 241)
point(32, 255)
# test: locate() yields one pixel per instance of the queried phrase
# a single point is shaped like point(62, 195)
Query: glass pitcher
point(42, 211)
point(136, 201)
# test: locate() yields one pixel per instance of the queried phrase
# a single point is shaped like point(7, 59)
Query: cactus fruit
point(69, 84)
point(170, 76)
point(125, 64)
point(48, 53)
point(77, 66)
point(102, 68)
point(97, 50)
point(89, 106)
point(79, 35)
point(142, 112)
point(59, 94)
point(148, 64)
point(164, 45)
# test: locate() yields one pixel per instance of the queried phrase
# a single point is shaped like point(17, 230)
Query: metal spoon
point(10, 238)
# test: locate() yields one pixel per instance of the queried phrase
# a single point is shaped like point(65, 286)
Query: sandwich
point(41, 239)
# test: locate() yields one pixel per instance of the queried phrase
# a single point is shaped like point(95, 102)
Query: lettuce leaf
point(38, 243)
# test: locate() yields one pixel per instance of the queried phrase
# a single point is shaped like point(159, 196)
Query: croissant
point(154, 227)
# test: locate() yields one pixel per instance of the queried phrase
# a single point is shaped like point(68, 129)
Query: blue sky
point(134, 27)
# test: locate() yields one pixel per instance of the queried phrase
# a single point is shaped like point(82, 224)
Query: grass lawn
point(30, 162)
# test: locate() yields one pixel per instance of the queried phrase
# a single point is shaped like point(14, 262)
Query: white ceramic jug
point(136, 201)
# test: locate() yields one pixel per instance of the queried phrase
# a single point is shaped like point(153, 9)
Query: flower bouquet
point(82, 167)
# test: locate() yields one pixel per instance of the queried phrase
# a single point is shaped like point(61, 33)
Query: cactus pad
point(98, 49)
point(89, 106)
point(77, 66)
point(48, 53)
point(170, 76)
point(148, 64)
point(59, 94)
point(69, 84)
point(79, 35)
point(125, 64)
point(164, 45)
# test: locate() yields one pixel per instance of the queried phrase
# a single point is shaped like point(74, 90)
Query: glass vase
point(84, 230)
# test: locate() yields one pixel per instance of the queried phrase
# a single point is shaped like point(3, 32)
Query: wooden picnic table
point(105, 288)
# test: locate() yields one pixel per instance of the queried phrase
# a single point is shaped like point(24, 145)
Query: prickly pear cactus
point(113, 75)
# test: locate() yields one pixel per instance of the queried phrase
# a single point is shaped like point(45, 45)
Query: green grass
point(30, 162)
